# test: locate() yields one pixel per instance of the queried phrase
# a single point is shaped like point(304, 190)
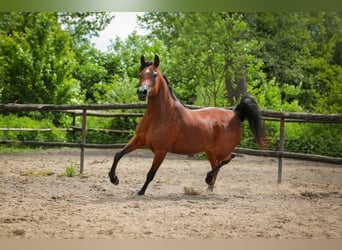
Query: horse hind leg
point(216, 166)
point(211, 176)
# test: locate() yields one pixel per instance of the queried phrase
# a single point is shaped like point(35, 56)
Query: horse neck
point(161, 103)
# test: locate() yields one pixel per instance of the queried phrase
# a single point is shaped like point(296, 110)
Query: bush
point(308, 138)
point(15, 121)
point(106, 137)
point(321, 139)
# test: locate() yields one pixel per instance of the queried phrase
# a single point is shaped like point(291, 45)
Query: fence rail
point(93, 110)
point(77, 110)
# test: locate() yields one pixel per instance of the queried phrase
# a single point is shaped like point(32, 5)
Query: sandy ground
point(37, 202)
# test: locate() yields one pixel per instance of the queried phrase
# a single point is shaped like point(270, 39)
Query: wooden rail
point(93, 110)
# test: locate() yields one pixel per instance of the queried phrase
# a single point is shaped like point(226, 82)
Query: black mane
point(174, 97)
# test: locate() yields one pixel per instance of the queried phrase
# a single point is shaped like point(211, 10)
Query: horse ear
point(142, 60)
point(156, 61)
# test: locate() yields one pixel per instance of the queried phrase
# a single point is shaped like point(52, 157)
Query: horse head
point(148, 76)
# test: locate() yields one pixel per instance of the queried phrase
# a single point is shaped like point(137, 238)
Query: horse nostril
point(142, 93)
point(142, 90)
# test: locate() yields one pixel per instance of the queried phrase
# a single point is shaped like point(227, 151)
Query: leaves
point(37, 59)
point(287, 61)
point(210, 58)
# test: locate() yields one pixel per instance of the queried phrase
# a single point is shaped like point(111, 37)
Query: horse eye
point(155, 74)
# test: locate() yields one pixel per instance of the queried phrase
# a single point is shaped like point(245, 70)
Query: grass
point(35, 173)
point(70, 169)
point(16, 149)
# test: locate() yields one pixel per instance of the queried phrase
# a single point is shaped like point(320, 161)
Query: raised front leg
point(132, 145)
point(157, 161)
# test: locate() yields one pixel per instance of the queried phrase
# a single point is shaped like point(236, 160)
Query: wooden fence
point(93, 110)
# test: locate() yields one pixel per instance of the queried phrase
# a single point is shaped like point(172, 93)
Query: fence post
point(73, 126)
point(83, 138)
point(281, 149)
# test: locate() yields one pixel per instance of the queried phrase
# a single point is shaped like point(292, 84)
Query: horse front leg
point(132, 145)
point(157, 161)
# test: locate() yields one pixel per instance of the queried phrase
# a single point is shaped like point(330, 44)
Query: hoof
point(114, 179)
point(209, 179)
point(210, 189)
point(141, 192)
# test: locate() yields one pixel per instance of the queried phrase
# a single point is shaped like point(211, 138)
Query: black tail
point(248, 109)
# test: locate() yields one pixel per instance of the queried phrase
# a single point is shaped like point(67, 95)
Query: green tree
point(298, 53)
point(92, 66)
point(82, 25)
point(211, 54)
point(302, 50)
point(44, 56)
point(325, 67)
point(90, 69)
point(121, 63)
point(36, 60)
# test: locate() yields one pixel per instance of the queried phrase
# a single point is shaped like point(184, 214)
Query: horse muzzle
point(143, 92)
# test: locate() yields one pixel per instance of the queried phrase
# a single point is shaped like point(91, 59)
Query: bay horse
point(168, 126)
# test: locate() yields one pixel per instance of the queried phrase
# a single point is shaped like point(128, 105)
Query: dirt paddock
point(37, 201)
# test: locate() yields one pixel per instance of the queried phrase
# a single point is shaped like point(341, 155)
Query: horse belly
point(192, 141)
point(186, 148)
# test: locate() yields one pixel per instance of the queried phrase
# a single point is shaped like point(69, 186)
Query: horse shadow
point(176, 197)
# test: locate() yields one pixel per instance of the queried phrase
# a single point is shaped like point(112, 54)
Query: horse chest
point(154, 133)
point(160, 134)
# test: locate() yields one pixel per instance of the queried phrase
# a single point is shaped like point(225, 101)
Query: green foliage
point(321, 139)
point(84, 24)
point(328, 91)
point(270, 96)
point(118, 91)
point(38, 63)
point(70, 169)
point(301, 50)
point(287, 61)
point(119, 123)
point(14, 121)
point(210, 51)
point(35, 173)
point(90, 70)
point(36, 60)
